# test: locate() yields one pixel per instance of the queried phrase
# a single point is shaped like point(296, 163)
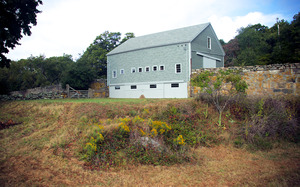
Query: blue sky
point(70, 26)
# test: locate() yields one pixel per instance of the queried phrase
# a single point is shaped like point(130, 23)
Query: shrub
point(271, 118)
point(124, 144)
point(220, 87)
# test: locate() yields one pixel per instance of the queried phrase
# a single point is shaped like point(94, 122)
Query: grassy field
point(44, 147)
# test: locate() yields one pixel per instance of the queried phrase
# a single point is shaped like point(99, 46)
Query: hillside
point(46, 144)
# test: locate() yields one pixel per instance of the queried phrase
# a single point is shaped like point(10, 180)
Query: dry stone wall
point(48, 92)
point(271, 80)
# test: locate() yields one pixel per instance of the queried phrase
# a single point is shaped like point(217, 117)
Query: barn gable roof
point(176, 36)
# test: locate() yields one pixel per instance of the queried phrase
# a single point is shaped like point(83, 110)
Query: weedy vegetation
point(146, 142)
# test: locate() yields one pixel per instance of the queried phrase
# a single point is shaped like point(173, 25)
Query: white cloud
point(226, 27)
point(70, 26)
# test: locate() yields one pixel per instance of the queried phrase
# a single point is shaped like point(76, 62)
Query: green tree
point(79, 76)
point(253, 45)
point(220, 87)
point(16, 18)
point(34, 72)
point(95, 54)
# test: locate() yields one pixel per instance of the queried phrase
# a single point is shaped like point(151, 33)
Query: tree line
point(254, 45)
point(259, 45)
point(41, 71)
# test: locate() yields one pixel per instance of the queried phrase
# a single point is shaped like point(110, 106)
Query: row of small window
point(147, 69)
point(133, 87)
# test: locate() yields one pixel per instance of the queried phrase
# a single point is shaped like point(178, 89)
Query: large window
point(140, 69)
point(122, 71)
point(177, 68)
point(208, 42)
point(133, 87)
point(174, 85)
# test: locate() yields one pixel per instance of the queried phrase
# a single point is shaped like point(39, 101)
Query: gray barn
point(159, 65)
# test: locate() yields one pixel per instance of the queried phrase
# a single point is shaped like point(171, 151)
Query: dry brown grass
point(42, 151)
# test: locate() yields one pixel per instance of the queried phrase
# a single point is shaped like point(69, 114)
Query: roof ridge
point(181, 28)
point(168, 37)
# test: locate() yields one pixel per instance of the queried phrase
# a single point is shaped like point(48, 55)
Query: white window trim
point(208, 38)
point(114, 75)
point(139, 69)
point(156, 68)
point(176, 68)
point(133, 69)
point(163, 66)
point(121, 71)
point(146, 68)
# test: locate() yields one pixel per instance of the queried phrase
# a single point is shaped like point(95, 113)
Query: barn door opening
point(209, 63)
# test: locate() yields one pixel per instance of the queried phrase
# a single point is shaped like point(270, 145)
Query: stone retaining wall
point(271, 80)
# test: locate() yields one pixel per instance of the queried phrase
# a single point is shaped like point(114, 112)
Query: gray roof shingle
point(182, 35)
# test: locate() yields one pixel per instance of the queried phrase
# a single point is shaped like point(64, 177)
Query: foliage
point(79, 76)
point(267, 119)
point(133, 142)
point(34, 72)
point(190, 120)
point(41, 71)
point(16, 18)
point(259, 45)
point(221, 87)
point(95, 54)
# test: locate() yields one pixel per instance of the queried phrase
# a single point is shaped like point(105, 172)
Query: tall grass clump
point(267, 119)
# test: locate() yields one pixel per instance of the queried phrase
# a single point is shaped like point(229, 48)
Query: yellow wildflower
point(101, 136)
point(142, 132)
point(124, 127)
point(125, 120)
point(101, 127)
point(153, 132)
point(137, 119)
point(179, 140)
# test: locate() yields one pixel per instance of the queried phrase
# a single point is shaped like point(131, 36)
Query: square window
point(161, 67)
point(114, 74)
point(152, 85)
point(178, 68)
point(133, 87)
point(133, 70)
point(122, 71)
point(154, 68)
point(117, 87)
point(175, 85)
point(140, 69)
point(147, 69)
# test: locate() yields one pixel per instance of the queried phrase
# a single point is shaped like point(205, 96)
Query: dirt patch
point(7, 124)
